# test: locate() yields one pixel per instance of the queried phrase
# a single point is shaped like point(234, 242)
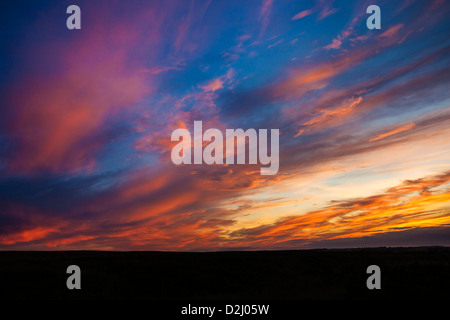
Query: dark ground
point(406, 273)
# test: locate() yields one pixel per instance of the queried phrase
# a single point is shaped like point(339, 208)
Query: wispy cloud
point(392, 132)
point(335, 44)
point(302, 14)
point(323, 9)
point(264, 15)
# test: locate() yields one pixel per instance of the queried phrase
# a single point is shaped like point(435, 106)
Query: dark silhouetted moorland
point(406, 273)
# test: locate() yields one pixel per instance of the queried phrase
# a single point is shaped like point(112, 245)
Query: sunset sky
point(86, 118)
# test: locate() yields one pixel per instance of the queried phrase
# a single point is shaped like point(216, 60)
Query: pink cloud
point(336, 44)
point(264, 15)
point(59, 122)
point(213, 85)
point(302, 14)
point(391, 32)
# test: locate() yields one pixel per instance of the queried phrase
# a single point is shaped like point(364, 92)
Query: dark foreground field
point(406, 273)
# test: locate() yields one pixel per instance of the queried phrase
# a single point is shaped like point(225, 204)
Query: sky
point(86, 118)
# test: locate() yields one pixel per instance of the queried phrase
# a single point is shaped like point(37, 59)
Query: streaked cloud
point(302, 14)
point(394, 131)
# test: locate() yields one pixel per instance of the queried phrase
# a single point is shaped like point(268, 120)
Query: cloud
point(325, 9)
point(322, 7)
point(86, 160)
point(391, 32)
point(398, 207)
point(392, 132)
point(213, 85)
point(329, 117)
point(27, 235)
point(437, 4)
point(59, 125)
point(188, 25)
point(264, 15)
point(302, 14)
point(426, 236)
point(335, 44)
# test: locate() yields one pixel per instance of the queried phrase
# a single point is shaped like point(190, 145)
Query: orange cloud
point(327, 116)
point(68, 241)
point(392, 132)
point(28, 235)
point(166, 211)
point(414, 203)
point(321, 105)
